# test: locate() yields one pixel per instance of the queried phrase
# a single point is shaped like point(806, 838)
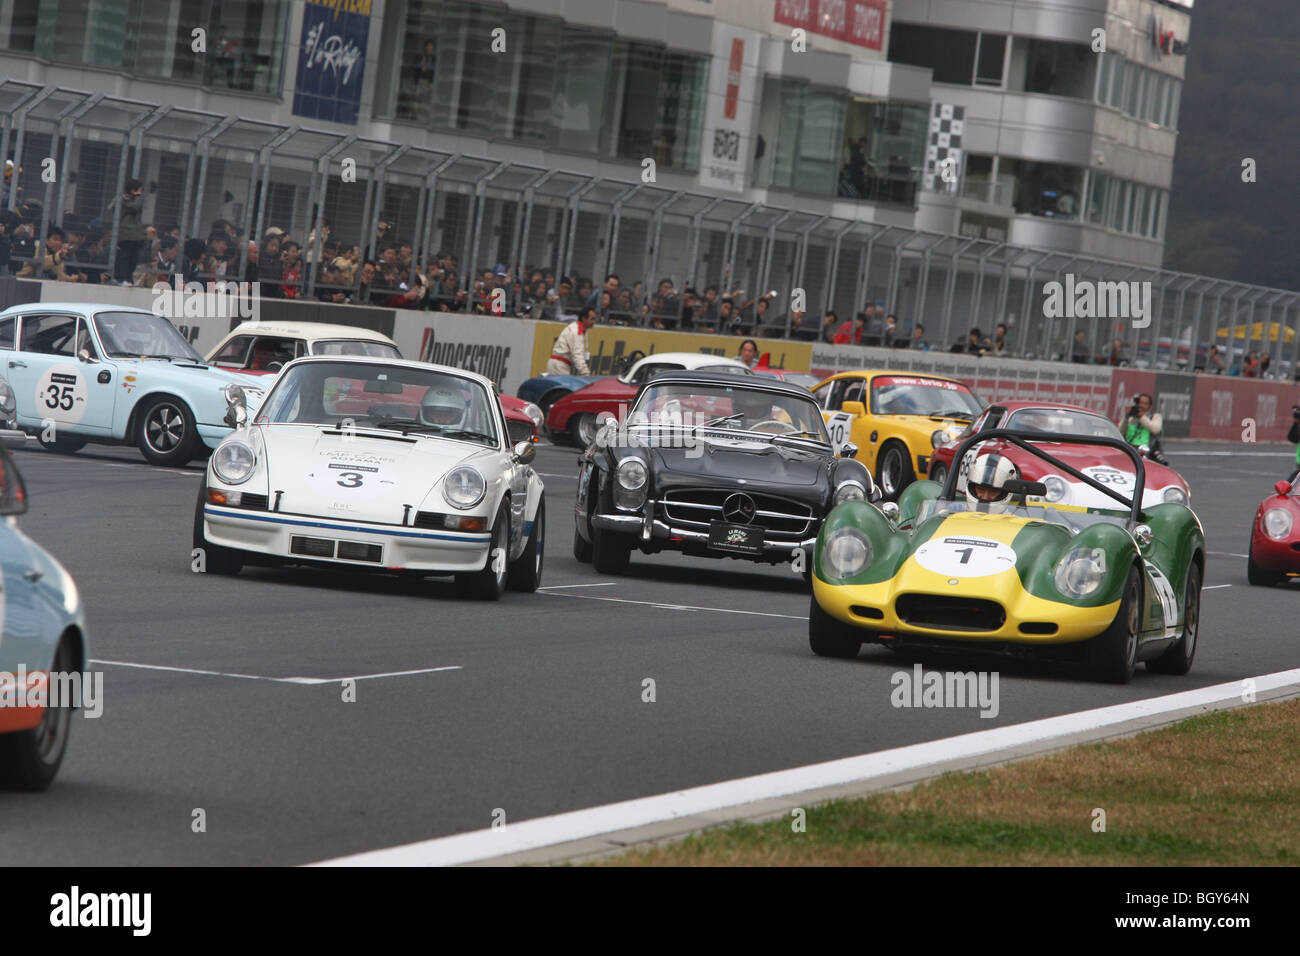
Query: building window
point(992, 53)
point(950, 54)
point(1098, 188)
point(883, 150)
point(656, 103)
point(1053, 68)
point(1051, 190)
point(582, 76)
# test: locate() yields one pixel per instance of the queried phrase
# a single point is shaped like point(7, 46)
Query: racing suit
point(569, 353)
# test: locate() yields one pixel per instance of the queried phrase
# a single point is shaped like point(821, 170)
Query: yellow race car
point(895, 419)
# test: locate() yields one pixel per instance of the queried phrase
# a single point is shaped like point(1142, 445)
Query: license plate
point(735, 537)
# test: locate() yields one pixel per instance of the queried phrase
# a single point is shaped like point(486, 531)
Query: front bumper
point(859, 605)
point(402, 548)
point(671, 538)
point(1274, 555)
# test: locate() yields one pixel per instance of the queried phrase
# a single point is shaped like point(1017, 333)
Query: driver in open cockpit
point(986, 484)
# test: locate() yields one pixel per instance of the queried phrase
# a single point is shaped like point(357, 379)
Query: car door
point(21, 645)
point(52, 384)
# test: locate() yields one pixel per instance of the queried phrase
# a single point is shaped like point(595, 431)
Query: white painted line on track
point(594, 821)
point(681, 607)
point(1212, 587)
point(1229, 554)
point(278, 680)
point(552, 587)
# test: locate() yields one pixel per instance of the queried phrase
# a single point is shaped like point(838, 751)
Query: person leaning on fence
point(569, 353)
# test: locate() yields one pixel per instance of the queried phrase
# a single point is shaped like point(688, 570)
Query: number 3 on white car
point(72, 373)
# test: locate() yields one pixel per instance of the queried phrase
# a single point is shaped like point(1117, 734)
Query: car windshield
point(1061, 421)
point(914, 395)
point(413, 401)
point(1076, 519)
point(143, 334)
point(354, 347)
point(739, 407)
point(794, 378)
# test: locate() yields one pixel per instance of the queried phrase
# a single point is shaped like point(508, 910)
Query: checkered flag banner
point(947, 123)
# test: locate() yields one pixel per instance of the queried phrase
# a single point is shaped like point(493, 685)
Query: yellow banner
point(610, 343)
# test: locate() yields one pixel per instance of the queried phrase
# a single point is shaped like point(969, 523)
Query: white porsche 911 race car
point(380, 464)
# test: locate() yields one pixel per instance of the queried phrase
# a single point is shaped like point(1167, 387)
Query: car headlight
point(938, 438)
point(631, 482)
point(1057, 488)
point(1175, 495)
point(233, 462)
point(850, 491)
point(535, 413)
point(1277, 523)
point(464, 487)
point(1080, 572)
point(8, 404)
point(847, 552)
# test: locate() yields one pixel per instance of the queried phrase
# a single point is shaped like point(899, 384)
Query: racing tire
point(30, 759)
point(526, 573)
point(581, 545)
point(1177, 659)
point(1260, 577)
point(939, 473)
point(216, 559)
point(490, 583)
point(894, 470)
point(582, 429)
point(1112, 654)
point(828, 637)
point(63, 446)
point(610, 551)
point(165, 432)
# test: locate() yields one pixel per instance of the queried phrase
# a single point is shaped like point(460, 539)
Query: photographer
point(1294, 436)
point(131, 233)
point(1141, 426)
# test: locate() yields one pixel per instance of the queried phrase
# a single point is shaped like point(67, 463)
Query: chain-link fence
point(106, 189)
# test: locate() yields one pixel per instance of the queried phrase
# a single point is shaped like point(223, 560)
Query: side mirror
point(1144, 450)
point(890, 510)
point(236, 416)
point(13, 493)
point(1143, 535)
point(1283, 487)
point(853, 408)
point(84, 356)
point(849, 450)
point(524, 452)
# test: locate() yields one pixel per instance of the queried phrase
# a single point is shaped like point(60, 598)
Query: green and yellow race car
point(992, 569)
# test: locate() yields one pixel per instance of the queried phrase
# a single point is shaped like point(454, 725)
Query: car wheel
point(829, 637)
point(526, 573)
point(610, 551)
point(216, 559)
point(1112, 654)
point(490, 583)
point(30, 759)
point(894, 470)
point(549, 399)
point(939, 473)
point(581, 545)
point(64, 446)
point(1260, 577)
point(582, 429)
point(1178, 659)
point(166, 433)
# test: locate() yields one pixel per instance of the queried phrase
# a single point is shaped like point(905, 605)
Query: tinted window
point(50, 334)
point(7, 333)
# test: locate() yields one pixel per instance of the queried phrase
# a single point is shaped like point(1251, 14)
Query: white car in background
point(263, 348)
point(379, 464)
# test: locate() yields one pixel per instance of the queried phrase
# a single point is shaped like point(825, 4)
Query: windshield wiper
point(951, 413)
point(813, 435)
point(466, 433)
point(405, 425)
point(718, 421)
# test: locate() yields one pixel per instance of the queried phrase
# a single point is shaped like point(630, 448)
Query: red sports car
point(1106, 466)
point(1275, 537)
point(575, 416)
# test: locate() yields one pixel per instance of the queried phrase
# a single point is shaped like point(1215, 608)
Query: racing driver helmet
point(755, 405)
point(986, 483)
point(443, 405)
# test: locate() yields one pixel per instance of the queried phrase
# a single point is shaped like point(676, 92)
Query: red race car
point(1106, 466)
point(575, 416)
point(1275, 536)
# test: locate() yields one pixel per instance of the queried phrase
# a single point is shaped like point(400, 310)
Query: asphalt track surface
point(543, 711)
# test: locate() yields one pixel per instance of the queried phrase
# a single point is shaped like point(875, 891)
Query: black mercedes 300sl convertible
point(714, 466)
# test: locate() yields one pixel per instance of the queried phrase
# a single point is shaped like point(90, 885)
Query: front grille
point(311, 547)
point(356, 551)
point(949, 613)
point(428, 519)
point(781, 518)
point(253, 502)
